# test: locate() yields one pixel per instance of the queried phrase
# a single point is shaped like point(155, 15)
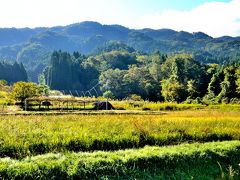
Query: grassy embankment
point(219, 160)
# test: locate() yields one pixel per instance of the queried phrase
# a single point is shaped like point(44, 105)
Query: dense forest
point(12, 72)
point(156, 77)
point(33, 47)
point(70, 72)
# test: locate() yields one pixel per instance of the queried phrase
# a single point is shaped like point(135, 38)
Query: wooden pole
point(39, 105)
point(25, 103)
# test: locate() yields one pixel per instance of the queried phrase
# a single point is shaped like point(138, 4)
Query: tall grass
point(154, 106)
point(195, 161)
point(22, 136)
point(159, 106)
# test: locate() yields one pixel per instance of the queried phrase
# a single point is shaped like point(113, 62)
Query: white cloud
point(213, 18)
point(35, 13)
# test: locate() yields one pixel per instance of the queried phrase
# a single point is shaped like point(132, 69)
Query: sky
point(214, 17)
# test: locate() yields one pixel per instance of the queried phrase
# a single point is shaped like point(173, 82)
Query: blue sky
point(159, 5)
point(214, 17)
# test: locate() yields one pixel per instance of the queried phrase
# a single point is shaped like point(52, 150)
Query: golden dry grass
point(26, 135)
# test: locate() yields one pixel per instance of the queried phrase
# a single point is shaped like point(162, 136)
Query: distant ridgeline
point(12, 72)
point(33, 47)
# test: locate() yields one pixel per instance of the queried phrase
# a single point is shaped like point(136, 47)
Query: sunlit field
point(30, 135)
point(120, 90)
point(73, 139)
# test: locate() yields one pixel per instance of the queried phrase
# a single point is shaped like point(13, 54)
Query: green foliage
point(4, 99)
point(70, 72)
point(174, 78)
point(154, 77)
point(3, 83)
point(238, 80)
point(214, 86)
point(116, 59)
point(112, 80)
point(135, 80)
point(156, 60)
point(43, 87)
point(23, 90)
point(135, 97)
point(183, 77)
point(12, 72)
point(108, 94)
point(113, 46)
point(139, 81)
point(5, 90)
point(191, 88)
point(172, 90)
point(228, 86)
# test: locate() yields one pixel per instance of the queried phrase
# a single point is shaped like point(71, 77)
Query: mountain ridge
point(97, 23)
point(33, 46)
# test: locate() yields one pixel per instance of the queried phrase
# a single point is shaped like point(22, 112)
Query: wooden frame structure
point(60, 103)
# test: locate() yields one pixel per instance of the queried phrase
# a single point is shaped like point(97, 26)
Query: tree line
point(12, 72)
point(155, 77)
point(122, 74)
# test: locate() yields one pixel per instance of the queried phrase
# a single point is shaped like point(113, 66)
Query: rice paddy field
point(199, 143)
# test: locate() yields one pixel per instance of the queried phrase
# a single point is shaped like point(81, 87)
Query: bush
point(23, 90)
point(134, 97)
point(108, 95)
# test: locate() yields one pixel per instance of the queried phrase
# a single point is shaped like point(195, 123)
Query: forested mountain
point(33, 47)
point(13, 36)
point(12, 72)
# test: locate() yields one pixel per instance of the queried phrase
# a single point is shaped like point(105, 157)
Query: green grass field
point(65, 146)
point(196, 161)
